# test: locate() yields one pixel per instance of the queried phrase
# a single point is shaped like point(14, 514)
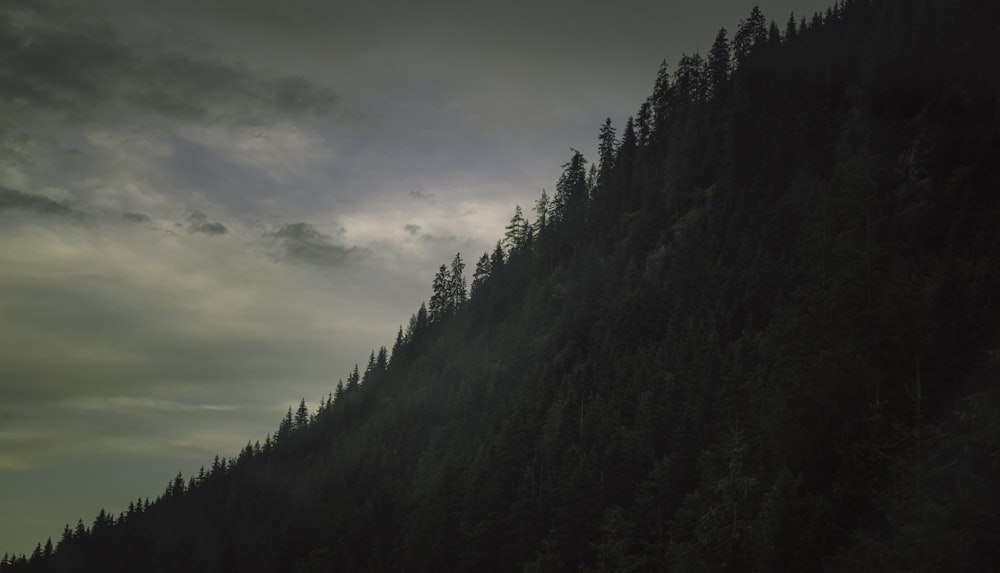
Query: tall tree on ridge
point(571, 191)
point(439, 295)
point(481, 273)
point(607, 150)
point(456, 284)
point(517, 232)
point(719, 58)
point(750, 34)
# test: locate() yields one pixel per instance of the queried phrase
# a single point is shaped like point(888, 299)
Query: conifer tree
point(607, 149)
point(791, 31)
point(481, 274)
point(285, 428)
point(301, 416)
point(626, 164)
point(353, 379)
point(381, 361)
point(497, 259)
point(457, 291)
point(660, 100)
point(719, 58)
point(369, 368)
point(439, 295)
point(571, 191)
point(750, 34)
point(541, 209)
point(516, 232)
point(689, 84)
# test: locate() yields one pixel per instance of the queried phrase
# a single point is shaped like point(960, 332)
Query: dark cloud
point(82, 68)
point(135, 217)
point(198, 223)
point(437, 239)
point(421, 195)
point(304, 243)
point(16, 200)
point(295, 95)
point(411, 228)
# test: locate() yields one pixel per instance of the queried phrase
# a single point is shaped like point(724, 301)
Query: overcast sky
point(209, 210)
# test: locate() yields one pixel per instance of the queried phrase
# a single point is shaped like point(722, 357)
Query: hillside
point(761, 332)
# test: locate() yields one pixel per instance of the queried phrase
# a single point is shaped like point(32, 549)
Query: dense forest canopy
point(759, 331)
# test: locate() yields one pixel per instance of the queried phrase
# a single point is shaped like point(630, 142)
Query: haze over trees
point(761, 333)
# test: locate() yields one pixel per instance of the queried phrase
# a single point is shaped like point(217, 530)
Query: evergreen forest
point(759, 331)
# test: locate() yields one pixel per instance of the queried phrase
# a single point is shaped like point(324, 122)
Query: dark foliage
point(764, 337)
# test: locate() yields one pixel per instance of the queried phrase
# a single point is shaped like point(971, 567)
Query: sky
point(211, 210)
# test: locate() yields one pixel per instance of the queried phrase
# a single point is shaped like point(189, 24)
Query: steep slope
point(763, 335)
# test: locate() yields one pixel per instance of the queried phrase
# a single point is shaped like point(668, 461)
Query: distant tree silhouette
point(751, 33)
point(457, 290)
point(301, 416)
point(440, 297)
point(517, 232)
point(719, 58)
point(481, 274)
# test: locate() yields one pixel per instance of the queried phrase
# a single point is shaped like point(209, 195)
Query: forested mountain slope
point(762, 333)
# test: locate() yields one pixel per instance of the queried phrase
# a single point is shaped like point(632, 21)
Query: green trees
point(517, 233)
point(449, 290)
point(481, 273)
point(751, 33)
point(571, 199)
point(718, 66)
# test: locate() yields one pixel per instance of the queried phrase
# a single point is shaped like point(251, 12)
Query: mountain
point(760, 333)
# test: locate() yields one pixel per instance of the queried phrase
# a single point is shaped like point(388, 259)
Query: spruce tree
point(719, 58)
point(457, 291)
point(516, 232)
point(481, 274)
point(301, 416)
point(439, 295)
point(353, 379)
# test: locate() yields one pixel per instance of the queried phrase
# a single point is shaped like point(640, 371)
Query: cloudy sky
point(209, 210)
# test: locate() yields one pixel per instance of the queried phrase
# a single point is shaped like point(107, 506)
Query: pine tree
point(439, 296)
point(661, 102)
point(353, 379)
point(369, 369)
point(397, 346)
point(773, 34)
point(497, 259)
point(81, 530)
point(719, 58)
point(643, 124)
point(422, 317)
point(626, 164)
point(481, 274)
point(750, 34)
point(301, 416)
point(457, 291)
point(516, 232)
point(607, 150)
point(791, 31)
point(285, 427)
point(36, 554)
point(689, 81)
point(571, 192)
point(381, 361)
